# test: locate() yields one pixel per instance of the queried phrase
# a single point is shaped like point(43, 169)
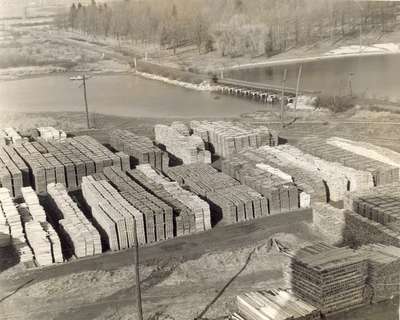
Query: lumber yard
point(64, 198)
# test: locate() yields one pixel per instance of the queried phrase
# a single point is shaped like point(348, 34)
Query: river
point(368, 76)
point(119, 95)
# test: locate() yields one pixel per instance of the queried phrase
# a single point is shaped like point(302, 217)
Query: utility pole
point(83, 78)
point(297, 87)
point(283, 94)
point(138, 291)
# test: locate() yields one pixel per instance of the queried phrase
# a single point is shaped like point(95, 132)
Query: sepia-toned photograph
point(199, 160)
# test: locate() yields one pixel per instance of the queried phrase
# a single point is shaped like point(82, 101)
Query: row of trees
point(233, 27)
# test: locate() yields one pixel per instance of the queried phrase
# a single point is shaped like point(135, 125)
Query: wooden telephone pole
point(83, 78)
point(283, 95)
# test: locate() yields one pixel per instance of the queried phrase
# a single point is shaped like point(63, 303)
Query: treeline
point(233, 27)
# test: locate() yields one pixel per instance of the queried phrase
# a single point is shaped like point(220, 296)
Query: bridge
point(262, 87)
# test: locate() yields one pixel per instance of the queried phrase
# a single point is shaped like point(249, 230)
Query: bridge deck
point(262, 86)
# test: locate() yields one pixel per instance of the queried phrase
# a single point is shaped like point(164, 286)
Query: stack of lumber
point(5, 238)
point(367, 150)
point(226, 138)
point(254, 170)
point(382, 172)
point(50, 133)
point(54, 242)
point(330, 221)
point(15, 226)
point(13, 171)
point(140, 148)
point(158, 216)
point(192, 214)
point(67, 161)
point(113, 214)
point(330, 278)
point(381, 204)
point(39, 242)
point(11, 136)
point(275, 304)
point(187, 149)
point(361, 230)
point(228, 200)
point(200, 178)
point(181, 128)
point(81, 236)
point(383, 270)
point(32, 201)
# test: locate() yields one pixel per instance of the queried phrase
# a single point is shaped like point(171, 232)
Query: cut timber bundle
point(158, 216)
point(9, 136)
point(330, 278)
point(200, 178)
point(81, 237)
point(66, 161)
point(13, 220)
point(226, 138)
point(39, 242)
point(186, 149)
point(381, 204)
point(113, 214)
point(275, 304)
point(50, 133)
point(382, 173)
point(282, 194)
point(330, 221)
point(361, 230)
point(192, 214)
point(32, 201)
point(383, 270)
point(5, 237)
point(14, 173)
point(140, 148)
point(181, 128)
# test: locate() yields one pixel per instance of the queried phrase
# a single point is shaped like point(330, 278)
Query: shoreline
point(283, 62)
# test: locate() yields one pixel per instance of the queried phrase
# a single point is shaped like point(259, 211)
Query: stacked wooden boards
point(330, 221)
point(186, 149)
point(226, 138)
point(274, 304)
point(140, 148)
point(14, 173)
point(158, 216)
point(40, 235)
point(67, 162)
point(380, 204)
point(114, 216)
point(229, 201)
point(329, 150)
point(191, 214)
point(9, 136)
point(383, 270)
point(50, 133)
point(14, 223)
point(330, 278)
point(81, 238)
point(254, 170)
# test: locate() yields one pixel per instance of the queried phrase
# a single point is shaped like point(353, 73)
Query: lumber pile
point(67, 161)
point(330, 221)
point(9, 136)
point(383, 270)
point(361, 230)
point(275, 304)
point(186, 149)
point(50, 133)
point(13, 171)
point(330, 278)
point(32, 201)
point(191, 213)
point(252, 169)
point(140, 148)
point(382, 173)
point(381, 204)
point(113, 214)
point(228, 200)
point(181, 128)
point(158, 216)
point(226, 138)
point(5, 237)
point(200, 178)
point(13, 220)
point(81, 237)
